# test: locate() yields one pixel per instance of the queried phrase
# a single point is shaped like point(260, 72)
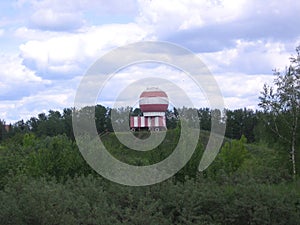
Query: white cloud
point(72, 53)
point(27, 34)
point(12, 69)
point(136, 78)
point(47, 19)
point(171, 16)
point(16, 80)
point(208, 26)
point(1, 32)
point(241, 90)
point(30, 106)
point(250, 57)
point(112, 6)
point(5, 110)
point(57, 96)
point(53, 15)
point(62, 39)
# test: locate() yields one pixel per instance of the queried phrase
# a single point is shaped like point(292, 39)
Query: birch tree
point(281, 105)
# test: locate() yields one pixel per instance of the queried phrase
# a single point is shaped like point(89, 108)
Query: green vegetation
point(253, 180)
point(45, 180)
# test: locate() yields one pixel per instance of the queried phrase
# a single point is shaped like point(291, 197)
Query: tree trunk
point(293, 156)
point(293, 152)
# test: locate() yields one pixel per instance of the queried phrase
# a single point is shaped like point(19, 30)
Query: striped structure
point(154, 100)
point(153, 103)
point(151, 122)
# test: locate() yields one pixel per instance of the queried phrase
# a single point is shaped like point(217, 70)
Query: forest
point(253, 180)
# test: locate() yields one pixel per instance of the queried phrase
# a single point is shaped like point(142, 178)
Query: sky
point(47, 46)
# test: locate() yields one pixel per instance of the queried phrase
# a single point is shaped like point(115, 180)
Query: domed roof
point(153, 100)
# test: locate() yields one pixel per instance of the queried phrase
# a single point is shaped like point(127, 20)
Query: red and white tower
point(153, 104)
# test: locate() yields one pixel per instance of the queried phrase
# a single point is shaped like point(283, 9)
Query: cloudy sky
point(48, 45)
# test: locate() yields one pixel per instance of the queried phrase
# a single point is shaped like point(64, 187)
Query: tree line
point(238, 122)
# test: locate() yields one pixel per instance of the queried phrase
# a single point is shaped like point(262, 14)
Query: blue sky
point(47, 45)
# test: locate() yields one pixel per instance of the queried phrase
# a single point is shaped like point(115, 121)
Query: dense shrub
point(93, 200)
point(45, 180)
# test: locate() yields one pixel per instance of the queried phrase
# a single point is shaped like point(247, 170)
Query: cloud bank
point(48, 46)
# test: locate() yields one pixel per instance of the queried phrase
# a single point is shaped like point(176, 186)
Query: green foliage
point(10, 162)
point(241, 122)
point(45, 180)
point(231, 157)
point(264, 165)
point(92, 200)
point(55, 157)
point(30, 201)
point(281, 108)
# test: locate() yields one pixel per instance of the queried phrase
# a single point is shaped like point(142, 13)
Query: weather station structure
point(153, 104)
